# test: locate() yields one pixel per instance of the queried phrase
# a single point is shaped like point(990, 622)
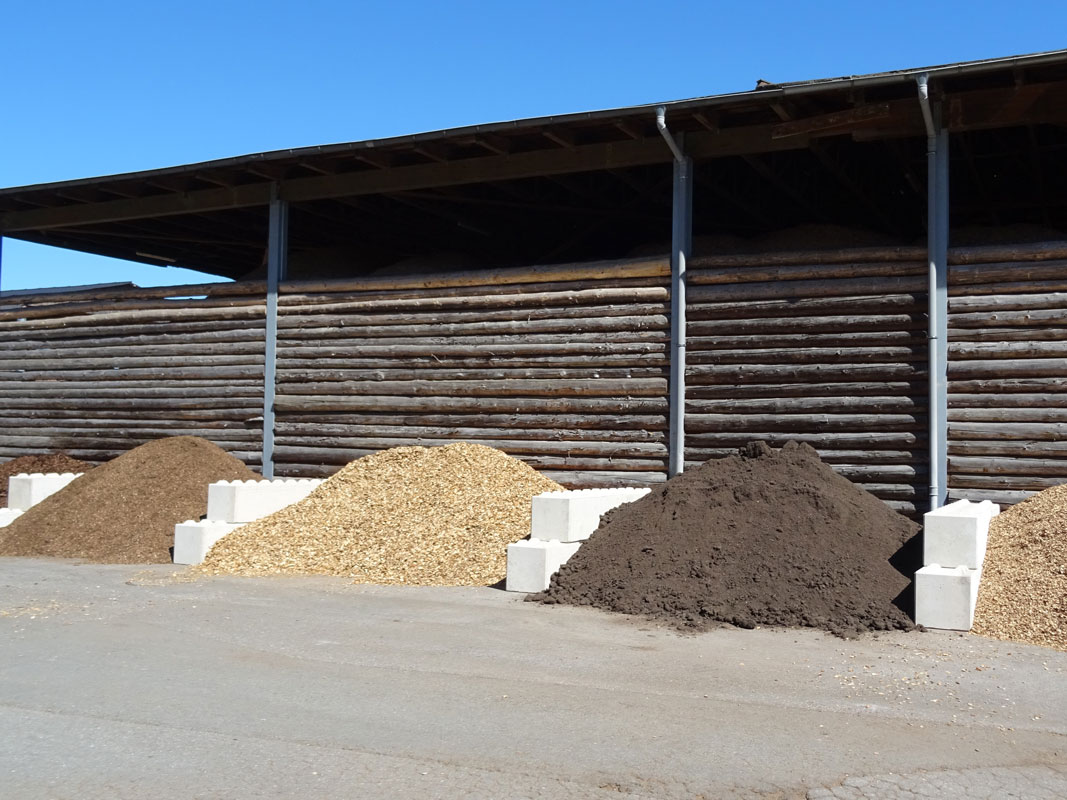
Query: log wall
point(98, 373)
point(826, 348)
point(564, 368)
point(1007, 372)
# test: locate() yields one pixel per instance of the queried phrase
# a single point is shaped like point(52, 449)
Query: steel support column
point(1, 263)
point(277, 257)
point(937, 243)
point(681, 244)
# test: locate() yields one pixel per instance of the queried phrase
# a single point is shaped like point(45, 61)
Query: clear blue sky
point(95, 88)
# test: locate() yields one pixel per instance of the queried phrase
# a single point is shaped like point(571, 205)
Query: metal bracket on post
point(681, 244)
point(277, 257)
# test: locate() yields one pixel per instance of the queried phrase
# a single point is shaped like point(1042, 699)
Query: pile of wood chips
point(437, 516)
point(1023, 593)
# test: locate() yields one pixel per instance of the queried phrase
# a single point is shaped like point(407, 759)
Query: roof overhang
point(208, 215)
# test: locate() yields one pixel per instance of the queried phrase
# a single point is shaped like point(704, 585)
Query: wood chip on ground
point(1023, 593)
point(430, 516)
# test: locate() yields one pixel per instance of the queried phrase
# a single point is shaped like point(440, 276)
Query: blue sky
point(105, 87)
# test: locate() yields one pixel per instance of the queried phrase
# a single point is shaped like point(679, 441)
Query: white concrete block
point(247, 501)
point(9, 515)
point(193, 539)
point(956, 534)
point(532, 562)
point(945, 597)
point(28, 489)
point(572, 516)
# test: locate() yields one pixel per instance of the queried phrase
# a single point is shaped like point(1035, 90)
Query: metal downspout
point(681, 244)
point(277, 258)
point(937, 294)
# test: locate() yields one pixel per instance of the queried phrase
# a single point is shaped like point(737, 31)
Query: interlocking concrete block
point(193, 539)
point(572, 516)
point(945, 597)
point(247, 501)
point(956, 534)
point(28, 489)
point(532, 562)
point(9, 515)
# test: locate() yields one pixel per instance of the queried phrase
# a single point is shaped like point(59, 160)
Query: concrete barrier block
point(945, 597)
point(9, 515)
point(247, 501)
point(956, 534)
point(26, 490)
point(573, 515)
point(193, 539)
point(532, 562)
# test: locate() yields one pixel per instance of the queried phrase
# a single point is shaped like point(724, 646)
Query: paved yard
point(120, 682)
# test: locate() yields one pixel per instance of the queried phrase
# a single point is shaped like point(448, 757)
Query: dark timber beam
point(581, 158)
point(841, 175)
point(967, 111)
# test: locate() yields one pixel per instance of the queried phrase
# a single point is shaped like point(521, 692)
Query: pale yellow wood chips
point(1023, 593)
point(437, 516)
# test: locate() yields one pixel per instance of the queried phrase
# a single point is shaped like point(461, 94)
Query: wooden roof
point(846, 150)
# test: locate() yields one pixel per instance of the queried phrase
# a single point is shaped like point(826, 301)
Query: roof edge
point(773, 91)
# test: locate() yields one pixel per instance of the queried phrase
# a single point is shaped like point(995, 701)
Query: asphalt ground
point(133, 682)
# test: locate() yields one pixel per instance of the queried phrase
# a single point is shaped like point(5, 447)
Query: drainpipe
point(681, 244)
point(277, 257)
point(937, 292)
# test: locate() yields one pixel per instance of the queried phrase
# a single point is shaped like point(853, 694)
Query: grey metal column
point(1, 262)
point(681, 244)
point(938, 244)
point(277, 257)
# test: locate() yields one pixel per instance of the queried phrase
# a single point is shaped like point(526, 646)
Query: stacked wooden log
point(1007, 371)
point(97, 373)
point(566, 367)
point(825, 347)
point(563, 367)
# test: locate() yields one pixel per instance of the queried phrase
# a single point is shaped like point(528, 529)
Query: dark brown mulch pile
point(766, 537)
point(124, 511)
point(52, 462)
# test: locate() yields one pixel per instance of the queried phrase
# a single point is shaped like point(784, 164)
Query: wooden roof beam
point(537, 163)
point(561, 136)
point(375, 159)
point(841, 175)
point(783, 186)
point(976, 178)
point(1038, 172)
point(493, 142)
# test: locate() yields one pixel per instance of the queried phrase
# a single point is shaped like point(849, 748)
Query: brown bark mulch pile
point(428, 516)
point(124, 511)
point(1023, 593)
point(51, 462)
point(766, 537)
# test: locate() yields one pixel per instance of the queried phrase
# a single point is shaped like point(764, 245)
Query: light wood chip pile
point(1023, 593)
point(429, 516)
